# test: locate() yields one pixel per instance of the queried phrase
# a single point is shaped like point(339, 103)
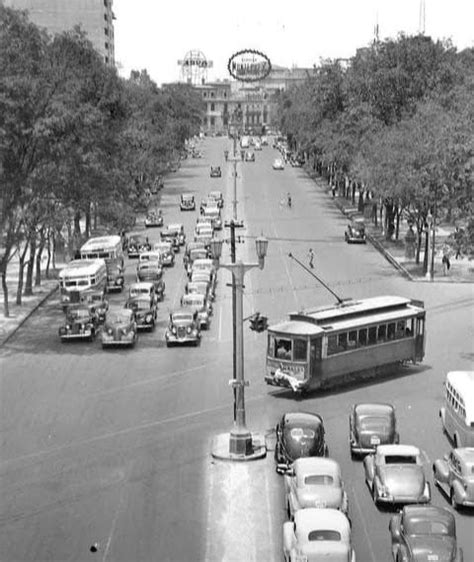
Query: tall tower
point(422, 18)
point(94, 16)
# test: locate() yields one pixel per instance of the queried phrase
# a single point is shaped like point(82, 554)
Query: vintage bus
point(81, 278)
point(351, 340)
point(110, 249)
point(457, 414)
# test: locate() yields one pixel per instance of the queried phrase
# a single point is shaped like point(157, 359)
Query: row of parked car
point(194, 315)
point(317, 503)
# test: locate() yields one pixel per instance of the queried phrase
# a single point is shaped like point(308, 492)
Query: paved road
point(113, 448)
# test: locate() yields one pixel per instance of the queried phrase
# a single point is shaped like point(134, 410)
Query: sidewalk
point(461, 271)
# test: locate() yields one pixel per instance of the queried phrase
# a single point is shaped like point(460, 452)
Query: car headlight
point(110, 331)
point(173, 330)
point(383, 491)
point(148, 318)
point(68, 327)
point(189, 329)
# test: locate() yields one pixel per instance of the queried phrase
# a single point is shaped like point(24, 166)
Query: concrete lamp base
point(235, 446)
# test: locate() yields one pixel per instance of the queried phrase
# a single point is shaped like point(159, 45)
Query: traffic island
point(236, 447)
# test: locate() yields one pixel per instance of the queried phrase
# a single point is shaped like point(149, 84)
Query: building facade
point(94, 16)
point(248, 106)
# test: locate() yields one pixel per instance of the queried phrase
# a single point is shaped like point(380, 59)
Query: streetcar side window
point(382, 333)
point(332, 345)
point(342, 341)
point(391, 331)
point(352, 339)
point(363, 336)
point(300, 350)
point(372, 335)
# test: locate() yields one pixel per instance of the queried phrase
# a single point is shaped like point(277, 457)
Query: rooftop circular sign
point(249, 66)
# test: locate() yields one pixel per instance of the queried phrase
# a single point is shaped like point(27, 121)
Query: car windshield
point(193, 300)
point(324, 535)
point(182, 317)
point(374, 422)
point(300, 433)
point(162, 247)
point(135, 240)
point(319, 480)
point(426, 527)
point(118, 317)
point(80, 313)
point(139, 304)
point(400, 459)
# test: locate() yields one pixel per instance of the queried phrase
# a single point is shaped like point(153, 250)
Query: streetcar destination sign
point(249, 65)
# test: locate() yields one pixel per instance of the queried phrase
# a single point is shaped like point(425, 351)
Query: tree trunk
point(39, 255)
point(21, 272)
point(6, 306)
point(88, 221)
point(425, 257)
point(30, 266)
point(77, 223)
point(397, 224)
point(48, 242)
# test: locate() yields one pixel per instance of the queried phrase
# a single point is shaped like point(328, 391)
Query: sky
point(155, 34)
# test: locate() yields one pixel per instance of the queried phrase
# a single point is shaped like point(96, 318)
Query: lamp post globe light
point(239, 444)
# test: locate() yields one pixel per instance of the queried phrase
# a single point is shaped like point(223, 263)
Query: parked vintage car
point(217, 197)
point(183, 328)
point(120, 328)
point(177, 229)
point(171, 236)
point(318, 534)
point(205, 277)
point(199, 303)
point(137, 243)
point(298, 434)
point(199, 288)
point(424, 532)
point(153, 257)
point(144, 308)
point(154, 218)
point(97, 303)
point(187, 202)
point(454, 475)
point(195, 254)
point(216, 172)
point(80, 323)
point(314, 482)
point(278, 164)
point(150, 272)
point(190, 247)
point(355, 232)
point(166, 250)
point(370, 425)
point(213, 212)
point(144, 288)
point(395, 475)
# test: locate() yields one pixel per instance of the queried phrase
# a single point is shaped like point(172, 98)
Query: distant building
point(254, 102)
point(94, 16)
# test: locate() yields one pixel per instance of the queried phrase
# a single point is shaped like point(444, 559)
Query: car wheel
point(374, 494)
point(288, 510)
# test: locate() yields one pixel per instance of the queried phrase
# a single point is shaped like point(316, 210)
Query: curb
point(27, 316)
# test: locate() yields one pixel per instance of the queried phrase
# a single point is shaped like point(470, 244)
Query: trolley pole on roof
point(339, 300)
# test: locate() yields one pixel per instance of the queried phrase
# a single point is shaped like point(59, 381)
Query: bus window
point(282, 349)
point(352, 339)
point(300, 350)
point(382, 333)
point(372, 335)
point(363, 336)
point(391, 331)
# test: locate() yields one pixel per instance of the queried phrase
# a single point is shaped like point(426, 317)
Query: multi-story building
point(94, 16)
point(254, 102)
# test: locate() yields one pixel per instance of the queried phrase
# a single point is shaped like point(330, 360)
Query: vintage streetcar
point(351, 340)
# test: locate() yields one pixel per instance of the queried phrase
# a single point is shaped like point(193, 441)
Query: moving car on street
point(144, 309)
point(278, 164)
point(454, 475)
point(316, 535)
point(80, 323)
point(298, 434)
point(187, 202)
point(120, 329)
point(166, 250)
point(370, 425)
point(217, 197)
point(216, 172)
point(183, 328)
point(154, 218)
point(198, 303)
point(395, 475)
point(249, 156)
point(424, 532)
point(178, 230)
point(171, 236)
point(136, 244)
point(314, 482)
point(355, 232)
point(154, 274)
point(457, 414)
point(143, 288)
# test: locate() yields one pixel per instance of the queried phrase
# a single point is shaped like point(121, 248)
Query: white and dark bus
point(110, 249)
point(81, 277)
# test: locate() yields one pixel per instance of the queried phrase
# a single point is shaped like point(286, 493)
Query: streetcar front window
point(283, 349)
point(300, 352)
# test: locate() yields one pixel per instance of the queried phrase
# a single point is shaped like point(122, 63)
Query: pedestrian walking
point(446, 262)
point(288, 199)
point(311, 258)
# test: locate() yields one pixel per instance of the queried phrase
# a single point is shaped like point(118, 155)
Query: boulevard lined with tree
point(393, 123)
point(79, 146)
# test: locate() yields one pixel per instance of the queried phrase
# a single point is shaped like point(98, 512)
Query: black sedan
point(216, 172)
point(370, 425)
point(355, 233)
point(424, 533)
point(144, 308)
point(299, 434)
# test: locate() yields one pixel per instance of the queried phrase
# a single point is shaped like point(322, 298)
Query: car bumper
point(187, 208)
point(402, 500)
point(356, 240)
point(86, 334)
point(115, 284)
point(170, 338)
point(123, 341)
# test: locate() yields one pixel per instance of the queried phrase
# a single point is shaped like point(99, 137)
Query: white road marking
point(114, 523)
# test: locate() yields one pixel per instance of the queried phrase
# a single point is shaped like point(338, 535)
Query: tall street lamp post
point(430, 248)
point(240, 443)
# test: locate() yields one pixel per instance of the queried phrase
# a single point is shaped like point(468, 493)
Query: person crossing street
point(311, 258)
